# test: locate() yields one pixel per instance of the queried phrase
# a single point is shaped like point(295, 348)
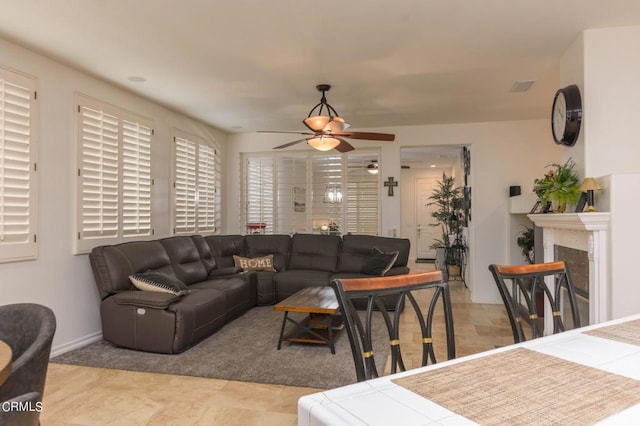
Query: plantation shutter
point(99, 173)
point(136, 179)
point(206, 200)
point(361, 197)
point(327, 193)
point(292, 195)
point(197, 172)
point(17, 168)
point(260, 200)
point(185, 186)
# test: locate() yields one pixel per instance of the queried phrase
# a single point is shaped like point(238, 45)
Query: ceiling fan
point(329, 129)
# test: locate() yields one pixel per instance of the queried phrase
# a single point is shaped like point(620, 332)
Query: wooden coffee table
point(322, 323)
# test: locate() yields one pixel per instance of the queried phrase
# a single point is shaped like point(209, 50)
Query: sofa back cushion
point(316, 252)
point(223, 247)
point(206, 257)
point(263, 245)
point(357, 249)
point(112, 265)
point(185, 259)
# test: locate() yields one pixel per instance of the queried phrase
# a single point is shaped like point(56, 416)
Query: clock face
point(566, 115)
point(559, 119)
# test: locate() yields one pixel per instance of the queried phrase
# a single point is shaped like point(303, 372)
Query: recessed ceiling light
point(432, 166)
point(137, 79)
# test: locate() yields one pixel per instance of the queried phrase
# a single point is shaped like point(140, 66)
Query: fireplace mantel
point(594, 221)
point(582, 231)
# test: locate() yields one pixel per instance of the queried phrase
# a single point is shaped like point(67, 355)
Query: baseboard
point(75, 344)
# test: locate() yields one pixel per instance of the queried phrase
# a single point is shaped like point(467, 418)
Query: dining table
point(5, 361)
point(584, 376)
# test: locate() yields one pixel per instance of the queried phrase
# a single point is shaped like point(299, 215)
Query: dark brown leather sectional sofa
point(219, 292)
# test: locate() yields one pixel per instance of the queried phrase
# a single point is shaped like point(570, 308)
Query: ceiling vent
point(521, 86)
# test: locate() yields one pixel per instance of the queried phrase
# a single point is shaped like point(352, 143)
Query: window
point(260, 193)
point(197, 177)
point(18, 202)
point(323, 193)
point(114, 175)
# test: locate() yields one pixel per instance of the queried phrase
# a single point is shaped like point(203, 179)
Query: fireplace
point(577, 262)
point(580, 239)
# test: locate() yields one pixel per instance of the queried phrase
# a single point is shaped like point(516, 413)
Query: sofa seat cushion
point(293, 280)
point(266, 287)
point(169, 328)
point(240, 294)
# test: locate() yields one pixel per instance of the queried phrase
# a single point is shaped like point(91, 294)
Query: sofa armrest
point(146, 299)
point(231, 270)
point(397, 270)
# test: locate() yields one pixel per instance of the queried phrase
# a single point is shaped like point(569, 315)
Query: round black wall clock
point(566, 115)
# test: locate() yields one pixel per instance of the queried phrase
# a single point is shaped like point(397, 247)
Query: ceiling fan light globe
point(323, 143)
point(317, 123)
point(335, 125)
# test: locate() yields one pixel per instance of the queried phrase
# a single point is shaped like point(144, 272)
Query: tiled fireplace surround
point(582, 231)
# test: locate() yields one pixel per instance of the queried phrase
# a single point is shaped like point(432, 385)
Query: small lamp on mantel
point(589, 185)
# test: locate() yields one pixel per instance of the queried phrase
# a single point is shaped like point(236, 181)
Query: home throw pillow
point(379, 262)
point(157, 281)
point(264, 263)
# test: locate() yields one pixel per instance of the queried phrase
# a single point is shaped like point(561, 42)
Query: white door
point(425, 233)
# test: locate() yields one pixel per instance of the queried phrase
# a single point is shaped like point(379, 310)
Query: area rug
point(243, 350)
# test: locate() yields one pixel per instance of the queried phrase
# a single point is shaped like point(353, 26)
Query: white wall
point(612, 105)
point(503, 154)
point(612, 111)
point(59, 279)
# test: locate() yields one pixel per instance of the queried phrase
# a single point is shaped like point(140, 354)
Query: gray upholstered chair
point(28, 415)
point(28, 329)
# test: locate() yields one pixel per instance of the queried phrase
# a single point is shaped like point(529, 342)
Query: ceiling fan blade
point(367, 135)
point(289, 144)
point(277, 131)
point(344, 146)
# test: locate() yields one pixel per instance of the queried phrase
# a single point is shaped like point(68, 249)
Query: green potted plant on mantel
point(448, 201)
point(560, 185)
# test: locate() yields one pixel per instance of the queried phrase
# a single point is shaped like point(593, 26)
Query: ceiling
point(246, 65)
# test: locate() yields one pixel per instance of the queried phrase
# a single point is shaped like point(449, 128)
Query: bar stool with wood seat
point(525, 287)
point(359, 324)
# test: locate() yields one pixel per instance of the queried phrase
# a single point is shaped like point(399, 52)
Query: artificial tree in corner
point(448, 201)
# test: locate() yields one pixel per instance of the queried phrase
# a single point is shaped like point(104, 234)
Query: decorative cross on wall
point(390, 183)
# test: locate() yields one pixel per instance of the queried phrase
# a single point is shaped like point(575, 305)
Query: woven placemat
point(626, 332)
point(524, 387)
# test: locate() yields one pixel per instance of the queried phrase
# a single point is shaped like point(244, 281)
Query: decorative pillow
point(264, 263)
point(157, 281)
point(379, 262)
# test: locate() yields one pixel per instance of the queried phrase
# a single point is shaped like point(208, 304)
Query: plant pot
point(441, 257)
point(454, 271)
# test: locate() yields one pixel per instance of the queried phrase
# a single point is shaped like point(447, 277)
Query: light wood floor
point(93, 396)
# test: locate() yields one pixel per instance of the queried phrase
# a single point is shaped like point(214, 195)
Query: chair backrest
point(28, 328)
point(525, 287)
point(359, 324)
